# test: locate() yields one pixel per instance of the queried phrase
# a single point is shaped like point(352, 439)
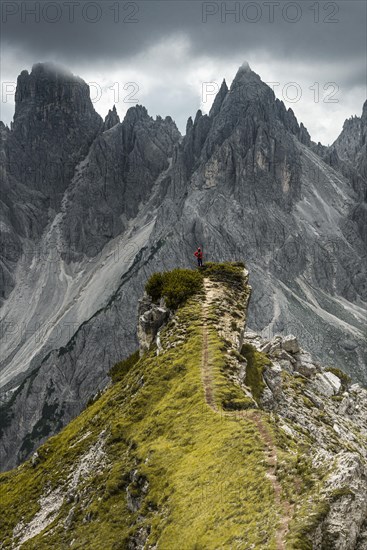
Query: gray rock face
point(256, 192)
point(351, 144)
point(323, 385)
point(122, 167)
point(54, 125)
point(245, 182)
point(348, 154)
point(273, 378)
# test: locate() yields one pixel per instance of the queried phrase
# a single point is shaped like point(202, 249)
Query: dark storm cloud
point(170, 48)
point(122, 29)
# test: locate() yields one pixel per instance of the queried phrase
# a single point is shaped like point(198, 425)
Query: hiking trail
point(214, 292)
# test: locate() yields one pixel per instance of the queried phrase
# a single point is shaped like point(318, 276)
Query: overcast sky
point(171, 55)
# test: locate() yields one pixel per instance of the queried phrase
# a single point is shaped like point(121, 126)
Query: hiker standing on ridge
point(199, 256)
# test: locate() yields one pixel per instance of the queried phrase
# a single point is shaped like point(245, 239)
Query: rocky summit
point(211, 436)
point(90, 208)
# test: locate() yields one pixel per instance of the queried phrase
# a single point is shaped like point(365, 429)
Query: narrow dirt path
point(272, 460)
point(212, 293)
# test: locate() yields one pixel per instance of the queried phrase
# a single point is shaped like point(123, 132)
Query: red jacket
point(198, 254)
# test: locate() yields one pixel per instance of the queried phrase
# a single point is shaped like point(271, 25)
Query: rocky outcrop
point(348, 153)
point(349, 143)
point(151, 317)
point(290, 344)
point(65, 278)
point(324, 405)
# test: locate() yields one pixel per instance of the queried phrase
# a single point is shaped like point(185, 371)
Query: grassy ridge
point(178, 285)
point(174, 472)
point(207, 483)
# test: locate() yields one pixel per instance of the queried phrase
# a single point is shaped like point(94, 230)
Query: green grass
point(256, 362)
point(175, 286)
point(230, 273)
point(119, 371)
point(178, 285)
point(206, 475)
point(308, 518)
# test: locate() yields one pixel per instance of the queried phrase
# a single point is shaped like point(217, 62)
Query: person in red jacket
point(199, 255)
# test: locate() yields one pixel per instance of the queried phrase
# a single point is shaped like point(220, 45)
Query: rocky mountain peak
point(250, 97)
point(189, 125)
point(135, 114)
point(364, 109)
point(352, 137)
point(247, 118)
point(219, 98)
point(364, 122)
point(245, 76)
point(49, 87)
point(53, 128)
point(244, 69)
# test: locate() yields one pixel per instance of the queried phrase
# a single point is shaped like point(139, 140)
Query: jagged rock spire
point(111, 119)
point(218, 101)
point(189, 125)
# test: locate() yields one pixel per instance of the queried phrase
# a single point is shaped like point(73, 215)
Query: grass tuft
point(175, 286)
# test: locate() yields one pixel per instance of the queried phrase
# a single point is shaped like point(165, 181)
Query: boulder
point(322, 385)
point(304, 364)
point(287, 356)
point(266, 347)
point(290, 344)
point(273, 378)
point(304, 357)
point(334, 381)
point(306, 369)
point(275, 346)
